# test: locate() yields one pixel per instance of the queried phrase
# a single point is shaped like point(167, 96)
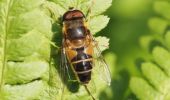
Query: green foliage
point(157, 25)
point(156, 72)
point(97, 21)
point(25, 32)
point(159, 80)
point(28, 70)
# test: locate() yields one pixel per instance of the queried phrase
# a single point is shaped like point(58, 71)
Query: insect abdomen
point(83, 70)
point(82, 65)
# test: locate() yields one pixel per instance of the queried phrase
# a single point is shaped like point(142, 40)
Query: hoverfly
point(79, 49)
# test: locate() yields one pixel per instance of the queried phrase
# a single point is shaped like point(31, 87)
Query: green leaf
point(143, 90)
point(54, 9)
point(145, 41)
point(27, 45)
point(162, 8)
point(95, 23)
point(158, 25)
point(17, 73)
point(158, 78)
point(25, 35)
point(28, 91)
point(161, 83)
point(96, 7)
point(100, 6)
point(103, 43)
point(23, 6)
point(162, 57)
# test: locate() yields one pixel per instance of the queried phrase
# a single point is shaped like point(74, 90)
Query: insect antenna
point(85, 86)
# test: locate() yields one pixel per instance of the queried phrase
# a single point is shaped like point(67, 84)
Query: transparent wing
point(64, 64)
point(62, 72)
point(100, 62)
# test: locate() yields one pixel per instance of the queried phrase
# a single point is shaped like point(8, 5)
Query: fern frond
point(156, 72)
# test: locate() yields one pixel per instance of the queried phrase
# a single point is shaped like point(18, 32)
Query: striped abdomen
point(82, 64)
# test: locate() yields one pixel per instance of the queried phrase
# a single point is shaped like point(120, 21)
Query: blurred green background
point(128, 23)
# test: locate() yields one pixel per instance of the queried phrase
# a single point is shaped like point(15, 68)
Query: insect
point(79, 48)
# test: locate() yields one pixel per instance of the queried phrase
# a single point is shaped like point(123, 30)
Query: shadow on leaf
point(71, 84)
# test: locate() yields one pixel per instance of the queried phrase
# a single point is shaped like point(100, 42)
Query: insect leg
point(88, 91)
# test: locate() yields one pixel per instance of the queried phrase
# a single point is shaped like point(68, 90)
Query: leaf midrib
point(5, 41)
